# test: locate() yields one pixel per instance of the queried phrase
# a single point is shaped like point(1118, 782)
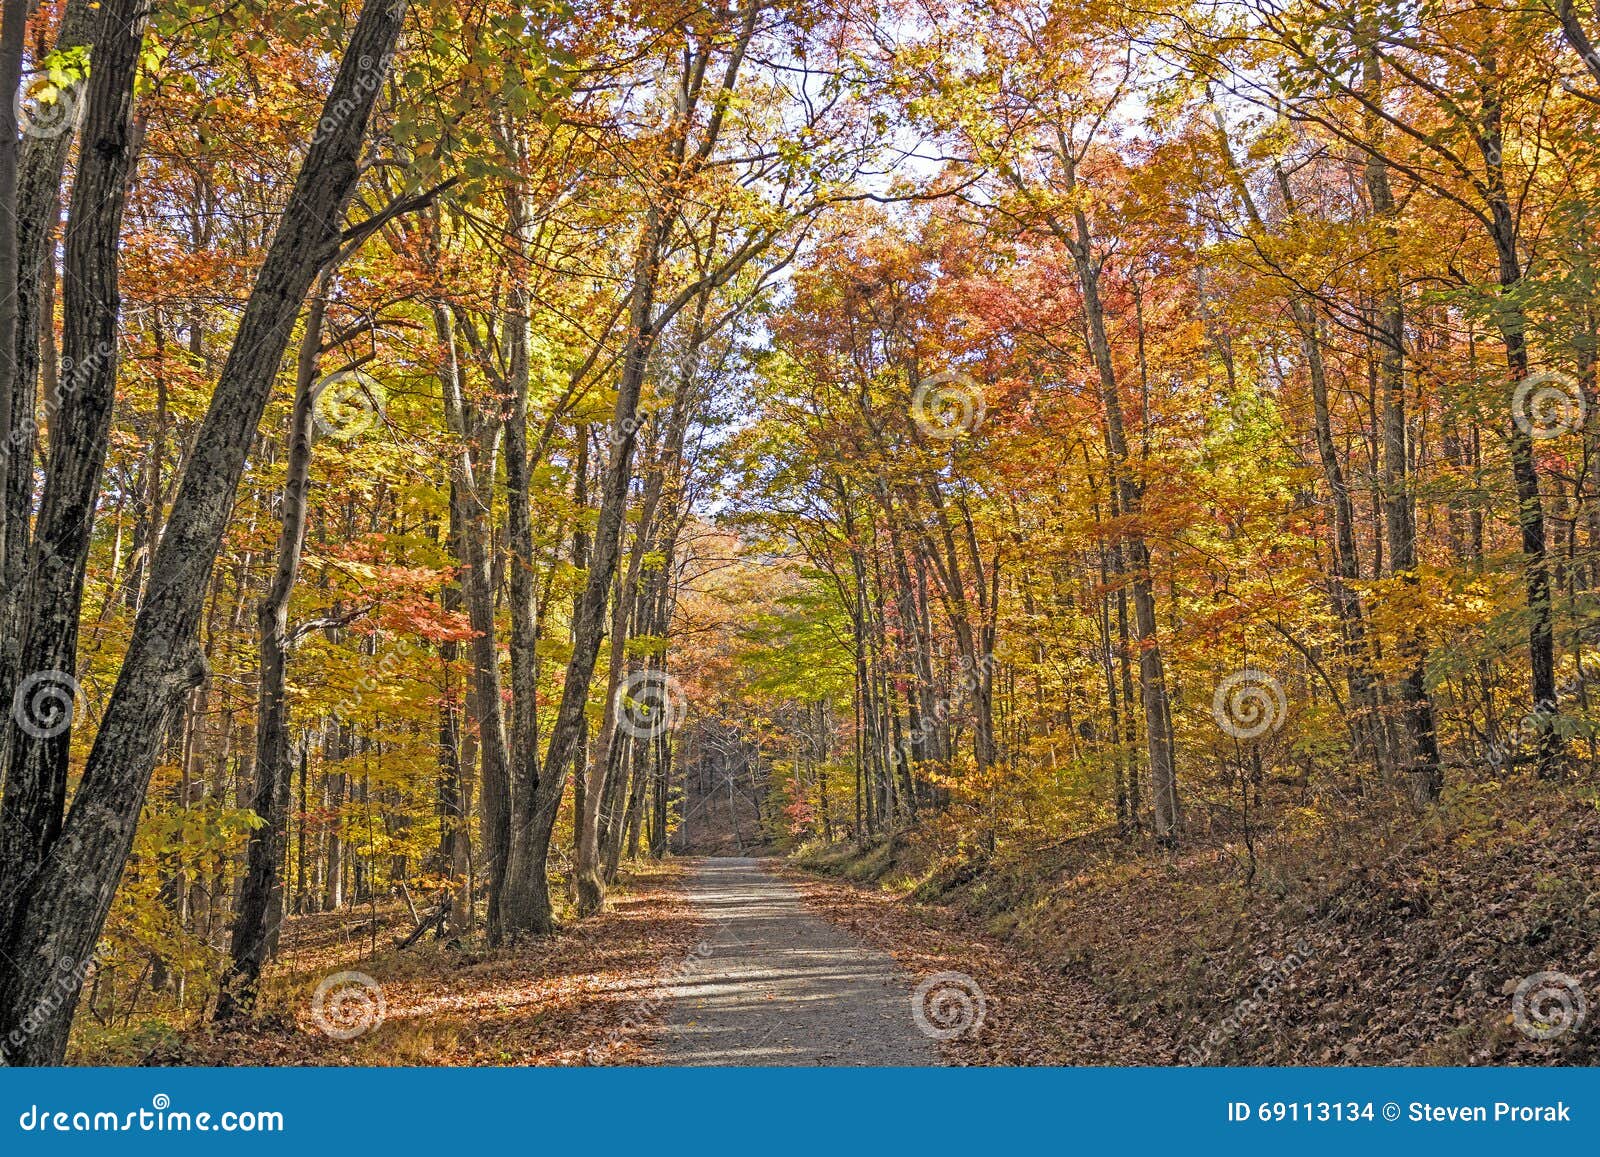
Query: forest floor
point(1384, 938)
point(701, 961)
point(1028, 1013)
point(592, 993)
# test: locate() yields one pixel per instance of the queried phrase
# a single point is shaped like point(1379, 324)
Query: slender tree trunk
point(520, 907)
point(38, 208)
point(274, 759)
point(337, 748)
point(1399, 504)
point(471, 477)
point(593, 817)
point(1512, 321)
point(1400, 525)
point(1365, 724)
point(580, 562)
point(589, 622)
point(1152, 670)
point(454, 835)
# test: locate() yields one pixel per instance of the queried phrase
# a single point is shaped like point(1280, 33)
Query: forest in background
point(446, 444)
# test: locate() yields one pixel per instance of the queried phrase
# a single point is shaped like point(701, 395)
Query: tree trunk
point(38, 208)
point(471, 478)
point(591, 871)
point(590, 617)
point(1399, 505)
point(520, 901)
point(1512, 321)
point(63, 906)
point(274, 760)
point(39, 734)
point(1152, 671)
point(13, 40)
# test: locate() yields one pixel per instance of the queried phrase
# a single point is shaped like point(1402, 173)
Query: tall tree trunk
point(1346, 560)
point(590, 871)
point(1399, 504)
point(338, 747)
point(1512, 321)
point(683, 159)
point(39, 735)
point(1152, 670)
point(38, 208)
point(580, 562)
point(1365, 724)
point(274, 760)
point(62, 906)
point(13, 40)
point(589, 620)
point(520, 903)
point(472, 474)
point(1073, 231)
point(454, 836)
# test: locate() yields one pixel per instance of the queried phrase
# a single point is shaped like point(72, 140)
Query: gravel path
point(771, 984)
